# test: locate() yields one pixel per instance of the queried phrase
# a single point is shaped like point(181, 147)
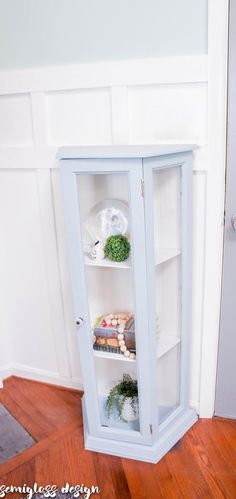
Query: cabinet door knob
point(79, 321)
point(233, 221)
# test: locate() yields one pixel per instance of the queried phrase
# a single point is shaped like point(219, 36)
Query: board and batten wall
point(163, 100)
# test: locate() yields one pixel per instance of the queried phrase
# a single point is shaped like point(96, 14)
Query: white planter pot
point(127, 413)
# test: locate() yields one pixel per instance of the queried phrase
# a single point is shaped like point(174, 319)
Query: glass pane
point(167, 236)
point(105, 222)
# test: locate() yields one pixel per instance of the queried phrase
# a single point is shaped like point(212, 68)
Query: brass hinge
point(150, 426)
point(142, 187)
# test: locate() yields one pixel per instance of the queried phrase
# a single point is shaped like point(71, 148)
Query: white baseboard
point(39, 375)
point(5, 372)
point(194, 404)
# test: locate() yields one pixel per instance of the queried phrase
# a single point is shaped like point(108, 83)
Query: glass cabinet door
point(167, 206)
point(106, 234)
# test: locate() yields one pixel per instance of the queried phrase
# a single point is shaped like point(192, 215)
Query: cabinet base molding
point(149, 453)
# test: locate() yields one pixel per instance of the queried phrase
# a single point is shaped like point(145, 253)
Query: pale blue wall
point(54, 32)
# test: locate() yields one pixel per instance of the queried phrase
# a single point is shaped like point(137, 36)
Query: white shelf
point(112, 356)
point(107, 263)
point(165, 343)
point(162, 255)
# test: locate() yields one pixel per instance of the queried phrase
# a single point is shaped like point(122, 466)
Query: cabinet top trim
point(122, 151)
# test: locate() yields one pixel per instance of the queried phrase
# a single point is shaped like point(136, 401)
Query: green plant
point(127, 388)
point(117, 248)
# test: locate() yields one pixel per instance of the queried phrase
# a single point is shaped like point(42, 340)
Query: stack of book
point(106, 336)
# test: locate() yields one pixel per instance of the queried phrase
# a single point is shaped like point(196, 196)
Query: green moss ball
point(117, 248)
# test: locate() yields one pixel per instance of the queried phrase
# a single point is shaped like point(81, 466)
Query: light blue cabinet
point(132, 316)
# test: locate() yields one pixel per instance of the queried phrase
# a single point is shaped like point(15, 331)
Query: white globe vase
point(128, 414)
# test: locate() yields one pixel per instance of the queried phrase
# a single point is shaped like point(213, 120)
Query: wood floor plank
point(58, 463)
point(192, 483)
point(188, 465)
point(39, 447)
point(27, 473)
point(229, 482)
point(186, 470)
point(143, 479)
point(41, 467)
point(22, 458)
point(228, 428)
point(72, 391)
point(14, 478)
point(64, 405)
point(111, 475)
point(45, 402)
point(202, 465)
point(64, 461)
point(40, 423)
point(38, 429)
point(220, 453)
point(168, 484)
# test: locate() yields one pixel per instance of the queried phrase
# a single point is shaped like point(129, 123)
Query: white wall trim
point(39, 375)
point(56, 308)
point(163, 70)
point(199, 201)
point(217, 107)
point(5, 372)
point(194, 404)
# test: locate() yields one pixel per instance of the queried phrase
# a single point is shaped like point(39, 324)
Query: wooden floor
point(203, 464)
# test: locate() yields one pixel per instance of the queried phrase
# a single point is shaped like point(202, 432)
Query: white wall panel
point(198, 235)
point(168, 113)
point(36, 285)
point(143, 101)
point(79, 117)
point(15, 120)
point(25, 314)
point(70, 330)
